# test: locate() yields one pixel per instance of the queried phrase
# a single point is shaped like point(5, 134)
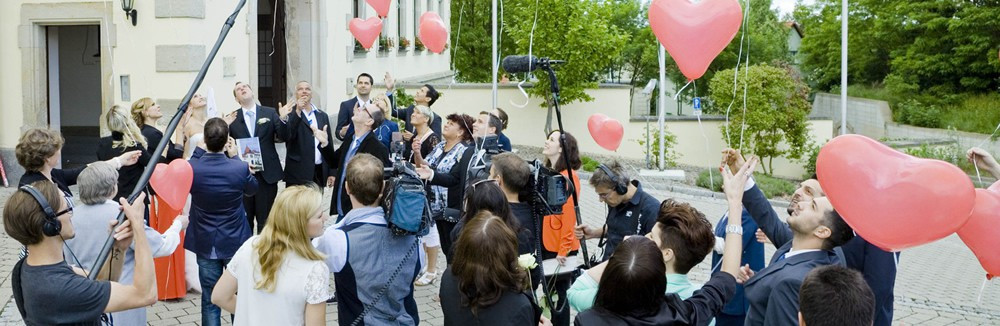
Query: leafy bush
point(771, 186)
point(589, 164)
point(402, 99)
point(913, 112)
point(670, 158)
point(952, 153)
point(813, 153)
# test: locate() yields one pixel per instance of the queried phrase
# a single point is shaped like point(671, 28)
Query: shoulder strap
point(16, 287)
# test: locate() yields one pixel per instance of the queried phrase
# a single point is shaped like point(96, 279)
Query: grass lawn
point(771, 186)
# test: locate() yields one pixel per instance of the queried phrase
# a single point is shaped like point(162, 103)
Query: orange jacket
point(557, 230)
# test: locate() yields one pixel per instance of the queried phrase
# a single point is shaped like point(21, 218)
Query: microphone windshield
point(519, 63)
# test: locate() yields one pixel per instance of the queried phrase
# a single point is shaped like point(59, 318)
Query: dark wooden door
point(271, 56)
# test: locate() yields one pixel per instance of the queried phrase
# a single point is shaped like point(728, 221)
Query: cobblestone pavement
point(938, 284)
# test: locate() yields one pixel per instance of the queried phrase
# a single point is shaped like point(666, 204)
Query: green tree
point(471, 38)
point(776, 115)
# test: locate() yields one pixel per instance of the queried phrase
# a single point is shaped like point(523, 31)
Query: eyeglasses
point(69, 208)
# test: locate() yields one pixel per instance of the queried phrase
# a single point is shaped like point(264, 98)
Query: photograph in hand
point(249, 151)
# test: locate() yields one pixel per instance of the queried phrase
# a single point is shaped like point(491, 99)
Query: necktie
point(343, 171)
point(251, 122)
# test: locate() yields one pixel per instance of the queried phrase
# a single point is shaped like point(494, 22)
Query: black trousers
point(318, 179)
point(258, 206)
point(560, 283)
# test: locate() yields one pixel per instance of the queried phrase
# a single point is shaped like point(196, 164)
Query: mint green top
point(581, 295)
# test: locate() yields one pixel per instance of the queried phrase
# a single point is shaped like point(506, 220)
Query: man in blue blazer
point(363, 87)
point(253, 120)
point(735, 311)
point(218, 219)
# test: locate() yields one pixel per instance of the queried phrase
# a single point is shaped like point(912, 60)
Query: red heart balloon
point(606, 131)
point(366, 31)
point(695, 33)
point(980, 233)
point(381, 7)
point(895, 201)
point(433, 32)
point(172, 183)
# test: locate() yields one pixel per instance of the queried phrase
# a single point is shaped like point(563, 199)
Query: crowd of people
point(266, 257)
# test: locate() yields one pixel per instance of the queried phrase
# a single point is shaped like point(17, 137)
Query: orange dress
point(170, 269)
point(557, 230)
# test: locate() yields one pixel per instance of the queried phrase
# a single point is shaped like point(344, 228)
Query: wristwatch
point(738, 229)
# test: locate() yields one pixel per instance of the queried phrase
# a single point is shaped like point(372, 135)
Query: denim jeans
point(209, 272)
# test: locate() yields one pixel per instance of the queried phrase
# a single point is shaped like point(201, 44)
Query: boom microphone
point(526, 63)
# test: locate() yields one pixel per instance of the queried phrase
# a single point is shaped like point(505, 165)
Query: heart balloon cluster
point(897, 201)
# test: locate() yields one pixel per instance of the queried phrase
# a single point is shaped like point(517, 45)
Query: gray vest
point(373, 255)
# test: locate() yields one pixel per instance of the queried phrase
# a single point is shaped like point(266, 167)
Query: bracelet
point(737, 229)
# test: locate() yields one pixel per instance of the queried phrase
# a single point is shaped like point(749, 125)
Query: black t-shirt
point(55, 295)
point(634, 217)
point(525, 219)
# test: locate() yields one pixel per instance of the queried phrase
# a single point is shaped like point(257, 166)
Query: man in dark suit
point(425, 96)
point(218, 226)
point(363, 86)
point(364, 120)
point(303, 162)
point(253, 120)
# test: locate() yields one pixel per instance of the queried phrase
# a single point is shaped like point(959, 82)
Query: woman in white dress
point(281, 278)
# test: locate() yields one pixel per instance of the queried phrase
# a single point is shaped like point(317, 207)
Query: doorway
point(74, 89)
point(271, 58)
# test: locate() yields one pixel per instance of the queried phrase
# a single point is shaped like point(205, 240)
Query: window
point(358, 8)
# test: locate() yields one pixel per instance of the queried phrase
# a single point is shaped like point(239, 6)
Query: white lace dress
point(299, 282)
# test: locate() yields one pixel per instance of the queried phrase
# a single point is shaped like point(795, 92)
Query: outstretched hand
point(733, 184)
point(732, 158)
point(321, 136)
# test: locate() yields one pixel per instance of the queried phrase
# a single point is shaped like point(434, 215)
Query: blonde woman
point(146, 113)
point(281, 278)
point(125, 137)
point(384, 132)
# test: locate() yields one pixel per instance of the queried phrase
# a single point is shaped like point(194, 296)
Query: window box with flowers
point(404, 44)
point(385, 44)
point(418, 46)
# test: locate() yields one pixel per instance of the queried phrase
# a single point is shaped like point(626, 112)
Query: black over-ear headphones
point(621, 187)
point(52, 226)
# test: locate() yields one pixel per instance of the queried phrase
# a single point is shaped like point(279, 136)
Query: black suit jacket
point(368, 145)
point(153, 137)
point(268, 133)
point(300, 159)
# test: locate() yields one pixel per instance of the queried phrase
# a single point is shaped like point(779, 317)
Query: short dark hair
point(365, 74)
point(364, 178)
point(503, 117)
point(840, 231)
point(487, 195)
point(599, 178)
point(836, 295)
point(465, 122)
point(432, 93)
point(494, 121)
point(633, 282)
point(513, 170)
point(572, 150)
point(378, 116)
point(216, 134)
point(486, 262)
point(23, 216)
point(687, 232)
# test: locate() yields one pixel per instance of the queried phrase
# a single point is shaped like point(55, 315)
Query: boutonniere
point(262, 121)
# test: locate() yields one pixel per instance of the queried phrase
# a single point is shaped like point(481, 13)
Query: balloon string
point(980, 177)
point(676, 96)
point(981, 290)
point(746, 79)
point(990, 137)
point(736, 72)
point(531, 43)
point(711, 179)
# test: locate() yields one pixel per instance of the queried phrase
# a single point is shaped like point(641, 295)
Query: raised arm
point(142, 291)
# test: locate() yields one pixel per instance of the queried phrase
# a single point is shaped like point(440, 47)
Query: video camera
point(399, 164)
point(549, 187)
point(483, 159)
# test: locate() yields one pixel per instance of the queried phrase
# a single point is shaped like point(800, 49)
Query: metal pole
point(843, 67)
point(662, 102)
point(144, 179)
point(495, 63)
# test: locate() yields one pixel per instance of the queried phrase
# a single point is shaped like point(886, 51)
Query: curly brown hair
point(36, 146)
point(486, 261)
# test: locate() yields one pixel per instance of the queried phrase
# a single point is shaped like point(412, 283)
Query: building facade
point(66, 62)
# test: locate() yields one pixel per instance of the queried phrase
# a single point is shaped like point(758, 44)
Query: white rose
point(527, 261)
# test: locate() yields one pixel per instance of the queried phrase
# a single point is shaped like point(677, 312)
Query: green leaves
point(777, 107)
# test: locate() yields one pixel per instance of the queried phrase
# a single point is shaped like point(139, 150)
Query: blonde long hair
point(118, 120)
point(287, 229)
point(139, 110)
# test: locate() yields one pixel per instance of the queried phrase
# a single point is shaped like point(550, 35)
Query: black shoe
point(332, 299)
